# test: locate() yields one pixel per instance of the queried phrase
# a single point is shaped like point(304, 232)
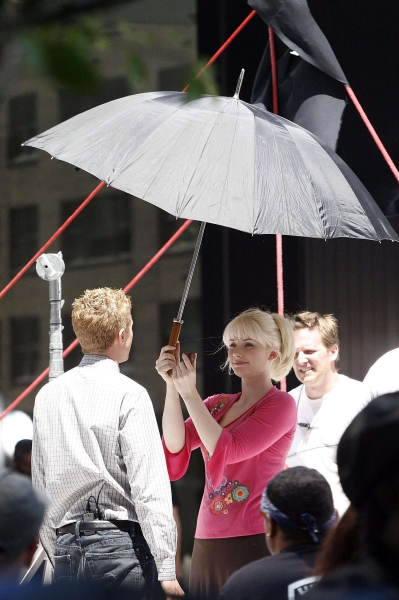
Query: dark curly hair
point(297, 491)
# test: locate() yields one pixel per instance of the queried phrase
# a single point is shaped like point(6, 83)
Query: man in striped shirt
point(98, 455)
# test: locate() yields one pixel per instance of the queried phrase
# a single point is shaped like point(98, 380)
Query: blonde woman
point(244, 439)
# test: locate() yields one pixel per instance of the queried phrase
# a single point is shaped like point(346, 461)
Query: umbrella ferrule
point(239, 84)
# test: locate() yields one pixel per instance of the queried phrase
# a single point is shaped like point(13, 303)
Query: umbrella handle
point(174, 337)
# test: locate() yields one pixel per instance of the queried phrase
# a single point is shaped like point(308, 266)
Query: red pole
point(273, 63)
point(279, 238)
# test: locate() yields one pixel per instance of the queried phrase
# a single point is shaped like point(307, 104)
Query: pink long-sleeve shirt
point(250, 451)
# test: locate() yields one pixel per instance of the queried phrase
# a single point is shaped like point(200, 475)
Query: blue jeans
point(110, 558)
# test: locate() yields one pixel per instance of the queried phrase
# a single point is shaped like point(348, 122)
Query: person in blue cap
point(298, 510)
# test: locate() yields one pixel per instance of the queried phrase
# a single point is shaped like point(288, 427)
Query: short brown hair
point(326, 324)
point(98, 315)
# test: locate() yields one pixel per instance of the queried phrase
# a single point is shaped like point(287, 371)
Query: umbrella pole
point(178, 321)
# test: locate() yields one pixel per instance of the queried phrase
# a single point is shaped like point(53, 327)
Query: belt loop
point(77, 534)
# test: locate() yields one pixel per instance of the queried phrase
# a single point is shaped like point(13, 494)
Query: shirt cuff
point(166, 569)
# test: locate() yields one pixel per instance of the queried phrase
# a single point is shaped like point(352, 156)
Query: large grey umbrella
point(219, 160)
point(222, 161)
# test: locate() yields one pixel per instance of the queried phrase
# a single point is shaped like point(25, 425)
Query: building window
point(168, 225)
point(111, 89)
point(22, 125)
point(25, 349)
point(191, 332)
point(100, 233)
point(24, 236)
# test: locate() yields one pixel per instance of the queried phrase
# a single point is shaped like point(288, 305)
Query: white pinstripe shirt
point(94, 427)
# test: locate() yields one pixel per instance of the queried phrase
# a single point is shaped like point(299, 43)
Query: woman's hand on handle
point(185, 377)
point(167, 361)
point(174, 432)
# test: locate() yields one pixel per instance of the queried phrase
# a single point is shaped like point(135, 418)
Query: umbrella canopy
point(219, 160)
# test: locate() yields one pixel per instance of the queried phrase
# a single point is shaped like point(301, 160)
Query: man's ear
point(273, 528)
point(334, 349)
point(267, 524)
point(120, 336)
point(270, 526)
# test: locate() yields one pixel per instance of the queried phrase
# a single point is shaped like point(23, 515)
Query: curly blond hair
point(98, 315)
point(271, 331)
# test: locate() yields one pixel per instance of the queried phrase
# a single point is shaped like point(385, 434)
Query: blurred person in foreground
point(21, 513)
point(383, 375)
point(326, 400)
point(98, 454)
point(368, 458)
point(22, 460)
point(297, 507)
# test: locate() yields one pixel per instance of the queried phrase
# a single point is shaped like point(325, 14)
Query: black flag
point(310, 79)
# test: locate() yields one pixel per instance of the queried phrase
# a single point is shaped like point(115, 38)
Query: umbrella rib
point(231, 150)
point(212, 99)
point(221, 112)
point(315, 196)
point(122, 164)
point(279, 161)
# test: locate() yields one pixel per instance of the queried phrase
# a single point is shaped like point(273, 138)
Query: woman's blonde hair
point(271, 331)
point(98, 315)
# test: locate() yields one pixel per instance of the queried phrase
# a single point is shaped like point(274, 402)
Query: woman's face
point(248, 358)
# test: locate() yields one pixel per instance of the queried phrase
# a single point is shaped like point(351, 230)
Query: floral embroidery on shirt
point(217, 506)
point(218, 407)
point(226, 494)
point(205, 451)
point(240, 493)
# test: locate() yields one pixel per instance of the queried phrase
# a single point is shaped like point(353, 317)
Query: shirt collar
point(92, 359)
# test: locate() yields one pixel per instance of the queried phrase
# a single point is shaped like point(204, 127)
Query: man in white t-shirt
point(383, 376)
point(326, 400)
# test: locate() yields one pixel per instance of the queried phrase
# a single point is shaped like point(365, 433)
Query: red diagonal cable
point(51, 240)
point(373, 132)
point(72, 346)
point(224, 46)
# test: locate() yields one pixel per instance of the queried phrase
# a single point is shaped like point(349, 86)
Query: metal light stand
point(50, 267)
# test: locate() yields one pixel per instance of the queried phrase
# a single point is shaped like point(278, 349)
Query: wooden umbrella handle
point(174, 338)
